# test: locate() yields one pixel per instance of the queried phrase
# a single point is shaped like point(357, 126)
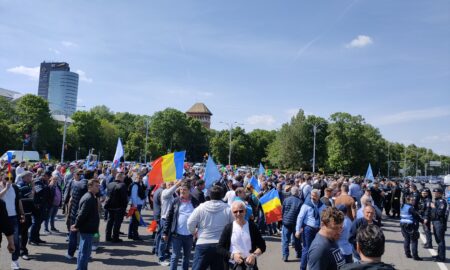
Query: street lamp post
point(146, 141)
point(315, 126)
point(230, 126)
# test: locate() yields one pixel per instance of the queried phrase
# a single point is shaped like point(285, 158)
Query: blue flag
point(212, 174)
point(255, 184)
point(119, 153)
point(369, 174)
point(261, 170)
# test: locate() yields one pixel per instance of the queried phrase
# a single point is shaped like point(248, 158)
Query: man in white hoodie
point(207, 223)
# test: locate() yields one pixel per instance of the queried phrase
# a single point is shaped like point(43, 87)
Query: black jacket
point(5, 225)
point(198, 195)
point(118, 196)
point(88, 218)
point(171, 224)
point(223, 247)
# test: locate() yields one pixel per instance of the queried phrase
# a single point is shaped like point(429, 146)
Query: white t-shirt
point(240, 240)
point(229, 197)
point(10, 200)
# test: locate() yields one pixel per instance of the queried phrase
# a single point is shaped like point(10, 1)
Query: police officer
point(425, 213)
point(409, 223)
point(416, 194)
point(439, 221)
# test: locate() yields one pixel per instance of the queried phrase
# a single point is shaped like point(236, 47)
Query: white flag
point(118, 155)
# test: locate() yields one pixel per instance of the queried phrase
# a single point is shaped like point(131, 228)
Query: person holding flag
point(137, 196)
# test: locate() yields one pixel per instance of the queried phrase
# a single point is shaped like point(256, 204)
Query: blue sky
point(254, 62)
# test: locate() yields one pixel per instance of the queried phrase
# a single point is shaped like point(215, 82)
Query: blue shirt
point(343, 243)
point(135, 199)
point(185, 211)
point(307, 216)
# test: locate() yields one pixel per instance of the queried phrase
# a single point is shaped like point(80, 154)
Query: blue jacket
point(291, 209)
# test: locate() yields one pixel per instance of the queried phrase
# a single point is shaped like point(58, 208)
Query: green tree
point(260, 140)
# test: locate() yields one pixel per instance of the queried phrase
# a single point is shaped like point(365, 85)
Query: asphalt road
point(136, 255)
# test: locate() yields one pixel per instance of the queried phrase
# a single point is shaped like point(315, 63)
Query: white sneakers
point(164, 263)
point(15, 265)
point(69, 257)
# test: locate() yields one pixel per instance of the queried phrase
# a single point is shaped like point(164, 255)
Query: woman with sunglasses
point(241, 242)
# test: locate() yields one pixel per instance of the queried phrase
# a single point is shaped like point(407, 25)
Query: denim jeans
point(308, 236)
point(180, 242)
point(206, 255)
point(134, 225)
point(73, 239)
point(157, 238)
point(51, 217)
point(163, 246)
point(36, 225)
point(285, 239)
point(14, 221)
point(84, 250)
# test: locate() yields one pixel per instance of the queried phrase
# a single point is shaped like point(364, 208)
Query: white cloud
point(31, 72)
point(205, 93)
point(263, 119)
point(359, 42)
point(69, 44)
point(83, 76)
point(414, 115)
point(55, 51)
point(441, 138)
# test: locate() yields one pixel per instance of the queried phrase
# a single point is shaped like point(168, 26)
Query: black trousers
point(411, 234)
point(23, 231)
point(115, 220)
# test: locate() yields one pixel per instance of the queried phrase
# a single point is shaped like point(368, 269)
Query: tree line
point(345, 143)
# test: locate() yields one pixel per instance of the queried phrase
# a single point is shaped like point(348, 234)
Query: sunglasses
point(238, 211)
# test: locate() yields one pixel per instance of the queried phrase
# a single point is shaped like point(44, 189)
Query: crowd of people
point(332, 222)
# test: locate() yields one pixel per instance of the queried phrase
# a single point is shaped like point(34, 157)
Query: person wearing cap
point(416, 194)
point(409, 223)
point(41, 201)
point(424, 211)
point(439, 221)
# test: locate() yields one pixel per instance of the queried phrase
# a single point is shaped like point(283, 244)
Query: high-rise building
point(200, 112)
point(44, 75)
point(63, 92)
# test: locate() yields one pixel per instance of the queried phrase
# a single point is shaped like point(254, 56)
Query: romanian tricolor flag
point(271, 206)
point(10, 155)
point(134, 211)
point(167, 168)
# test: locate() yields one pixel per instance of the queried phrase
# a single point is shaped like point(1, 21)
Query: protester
point(157, 214)
point(42, 199)
point(56, 198)
point(87, 222)
point(240, 241)
point(370, 243)
point(9, 193)
point(77, 190)
point(26, 190)
point(197, 192)
point(308, 223)
point(290, 211)
point(207, 223)
point(116, 205)
point(167, 197)
point(368, 218)
point(324, 253)
point(343, 243)
point(137, 197)
point(6, 228)
point(347, 200)
point(176, 226)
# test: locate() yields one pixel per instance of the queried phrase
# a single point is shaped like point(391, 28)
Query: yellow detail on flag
point(271, 205)
point(168, 168)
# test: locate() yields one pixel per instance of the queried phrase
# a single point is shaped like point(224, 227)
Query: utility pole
point(146, 141)
point(314, 148)
point(389, 161)
point(230, 126)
